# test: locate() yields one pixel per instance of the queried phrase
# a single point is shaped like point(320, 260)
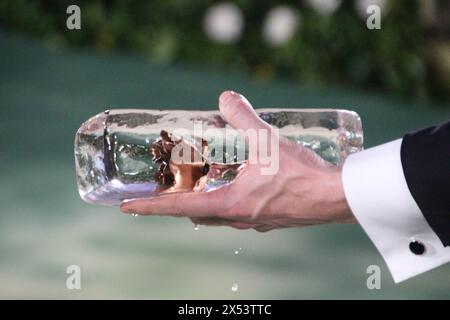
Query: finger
point(189, 204)
point(239, 113)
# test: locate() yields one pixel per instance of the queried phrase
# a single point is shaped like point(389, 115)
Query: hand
point(306, 190)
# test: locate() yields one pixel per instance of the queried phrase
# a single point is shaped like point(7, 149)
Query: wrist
point(339, 211)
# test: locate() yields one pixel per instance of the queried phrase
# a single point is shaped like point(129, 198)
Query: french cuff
point(377, 193)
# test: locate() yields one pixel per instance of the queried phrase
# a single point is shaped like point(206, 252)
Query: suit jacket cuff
point(378, 195)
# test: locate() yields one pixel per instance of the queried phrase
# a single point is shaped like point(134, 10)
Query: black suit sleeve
point(425, 156)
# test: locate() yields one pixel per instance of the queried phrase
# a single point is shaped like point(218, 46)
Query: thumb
point(239, 113)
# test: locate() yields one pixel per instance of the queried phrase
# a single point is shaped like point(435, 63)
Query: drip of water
point(237, 251)
point(234, 287)
point(196, 227)
point(134, 215)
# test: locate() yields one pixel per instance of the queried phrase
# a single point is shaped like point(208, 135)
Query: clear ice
point(113, 150)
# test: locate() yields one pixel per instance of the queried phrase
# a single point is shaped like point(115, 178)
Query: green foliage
point(326, 49)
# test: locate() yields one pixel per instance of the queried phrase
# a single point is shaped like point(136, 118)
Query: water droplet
point(237, 251)
point(196, 227)
point(134, 215)
point(234, 287)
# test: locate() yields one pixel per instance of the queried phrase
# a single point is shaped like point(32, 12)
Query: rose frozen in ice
point(178, 175)
point(191, 175)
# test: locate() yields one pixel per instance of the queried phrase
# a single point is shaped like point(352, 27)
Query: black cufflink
point(417, 247)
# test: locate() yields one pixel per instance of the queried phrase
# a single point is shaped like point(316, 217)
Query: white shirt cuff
point(377, 193)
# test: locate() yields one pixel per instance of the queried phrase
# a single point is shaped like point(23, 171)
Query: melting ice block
point(127, 154)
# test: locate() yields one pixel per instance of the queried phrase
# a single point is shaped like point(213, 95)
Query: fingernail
point(226, 97)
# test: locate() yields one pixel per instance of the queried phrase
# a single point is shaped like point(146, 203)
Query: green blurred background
point(175, 54)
